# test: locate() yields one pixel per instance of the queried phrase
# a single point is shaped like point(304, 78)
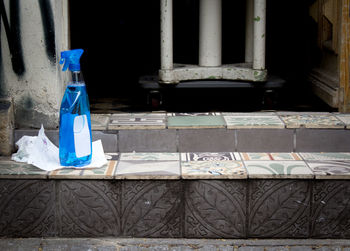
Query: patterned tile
point(206, 156)
point(248, 113)
point(312, 121)
point(152, 208)
point(330, 169)
point(27, 208)
point(215, 209)
point(279, 208)
point(88, 208)
point(235, 122)
point(330, 217)
point(278, 169)
point(66, 173)
point(148, 169)
point(345, 118)
point(105, 172)
point(150, 156)
point(270, 156)
point(180, 122)
point(326, 156)
point(99, 121)
point(137, 121)
point(228, 169)
point(16, 170)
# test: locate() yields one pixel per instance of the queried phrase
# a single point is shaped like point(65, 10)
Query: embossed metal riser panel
point(261, 208)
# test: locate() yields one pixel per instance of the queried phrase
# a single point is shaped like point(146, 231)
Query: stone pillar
point(33, 34)
point(6, 127)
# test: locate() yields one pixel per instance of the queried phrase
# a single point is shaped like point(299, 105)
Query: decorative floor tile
point(312, 121)
point(105, 172)
point(248, 113)
point(66, 173)
point(150, 156)
point(203, 156)
point(326, 156)
point(330, 169)
point(234, 122)
point(278, 169)
point(180, 122)
point(270, 156)
point(17, 170)
point(99, 121)
point(193, 114)
point(345, 118)
point(213, 170)
point(136, 169)
point(137, 121)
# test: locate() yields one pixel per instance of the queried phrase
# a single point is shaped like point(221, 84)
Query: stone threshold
point(197, 166)
point(135, 244)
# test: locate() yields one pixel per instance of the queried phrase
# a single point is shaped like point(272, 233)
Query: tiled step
point(213, 132)
point(182, 195)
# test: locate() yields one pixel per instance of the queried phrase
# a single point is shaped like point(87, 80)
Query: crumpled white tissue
point(42, 153)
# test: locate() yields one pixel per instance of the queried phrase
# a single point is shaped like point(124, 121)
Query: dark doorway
point(121, 43)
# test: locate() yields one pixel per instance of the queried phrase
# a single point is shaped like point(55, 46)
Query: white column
point(259, 34)
point(210, 32)
point(249, 31)
point(166, 34)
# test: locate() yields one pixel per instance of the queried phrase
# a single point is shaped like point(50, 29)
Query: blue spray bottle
point(75, 148)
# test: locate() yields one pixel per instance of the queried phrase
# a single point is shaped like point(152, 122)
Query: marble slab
point(229, 169)
point(248, 114)
point(184, 122)
point(278, 169)
point(99, 121)
point(345, 118)
point(330, 169)
point(16, 170)
point(326, 156)
point(150, 156)
point(210, 156)
point(137, 121)
point(312, 121)
point(240, 121)
point(270, 156)
point(148, 169)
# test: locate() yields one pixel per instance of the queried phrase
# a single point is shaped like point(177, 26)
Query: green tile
point(17, 170)
point(179, 122)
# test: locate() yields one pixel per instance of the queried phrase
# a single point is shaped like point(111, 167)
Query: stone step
point(119, 244)
point(182, 195)
point(217, 132)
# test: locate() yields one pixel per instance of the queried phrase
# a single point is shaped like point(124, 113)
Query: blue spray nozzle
point(71, 59)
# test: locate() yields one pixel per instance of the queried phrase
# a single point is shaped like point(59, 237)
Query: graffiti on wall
point(12, 29)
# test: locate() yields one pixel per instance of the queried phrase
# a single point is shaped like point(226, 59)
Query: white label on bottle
point(81, 136)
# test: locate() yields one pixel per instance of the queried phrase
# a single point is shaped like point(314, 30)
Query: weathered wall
point(33, 32)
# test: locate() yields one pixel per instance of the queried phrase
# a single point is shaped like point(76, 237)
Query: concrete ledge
point(135, 244)
point(6, 126)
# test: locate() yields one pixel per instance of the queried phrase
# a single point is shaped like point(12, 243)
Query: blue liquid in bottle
point(75, 147)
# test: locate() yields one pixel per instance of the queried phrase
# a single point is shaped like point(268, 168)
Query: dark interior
point(121, 43)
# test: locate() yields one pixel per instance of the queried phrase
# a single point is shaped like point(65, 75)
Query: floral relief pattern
point(279, 209)
point(89, 208)
point(27, 208)
point(215, 209)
